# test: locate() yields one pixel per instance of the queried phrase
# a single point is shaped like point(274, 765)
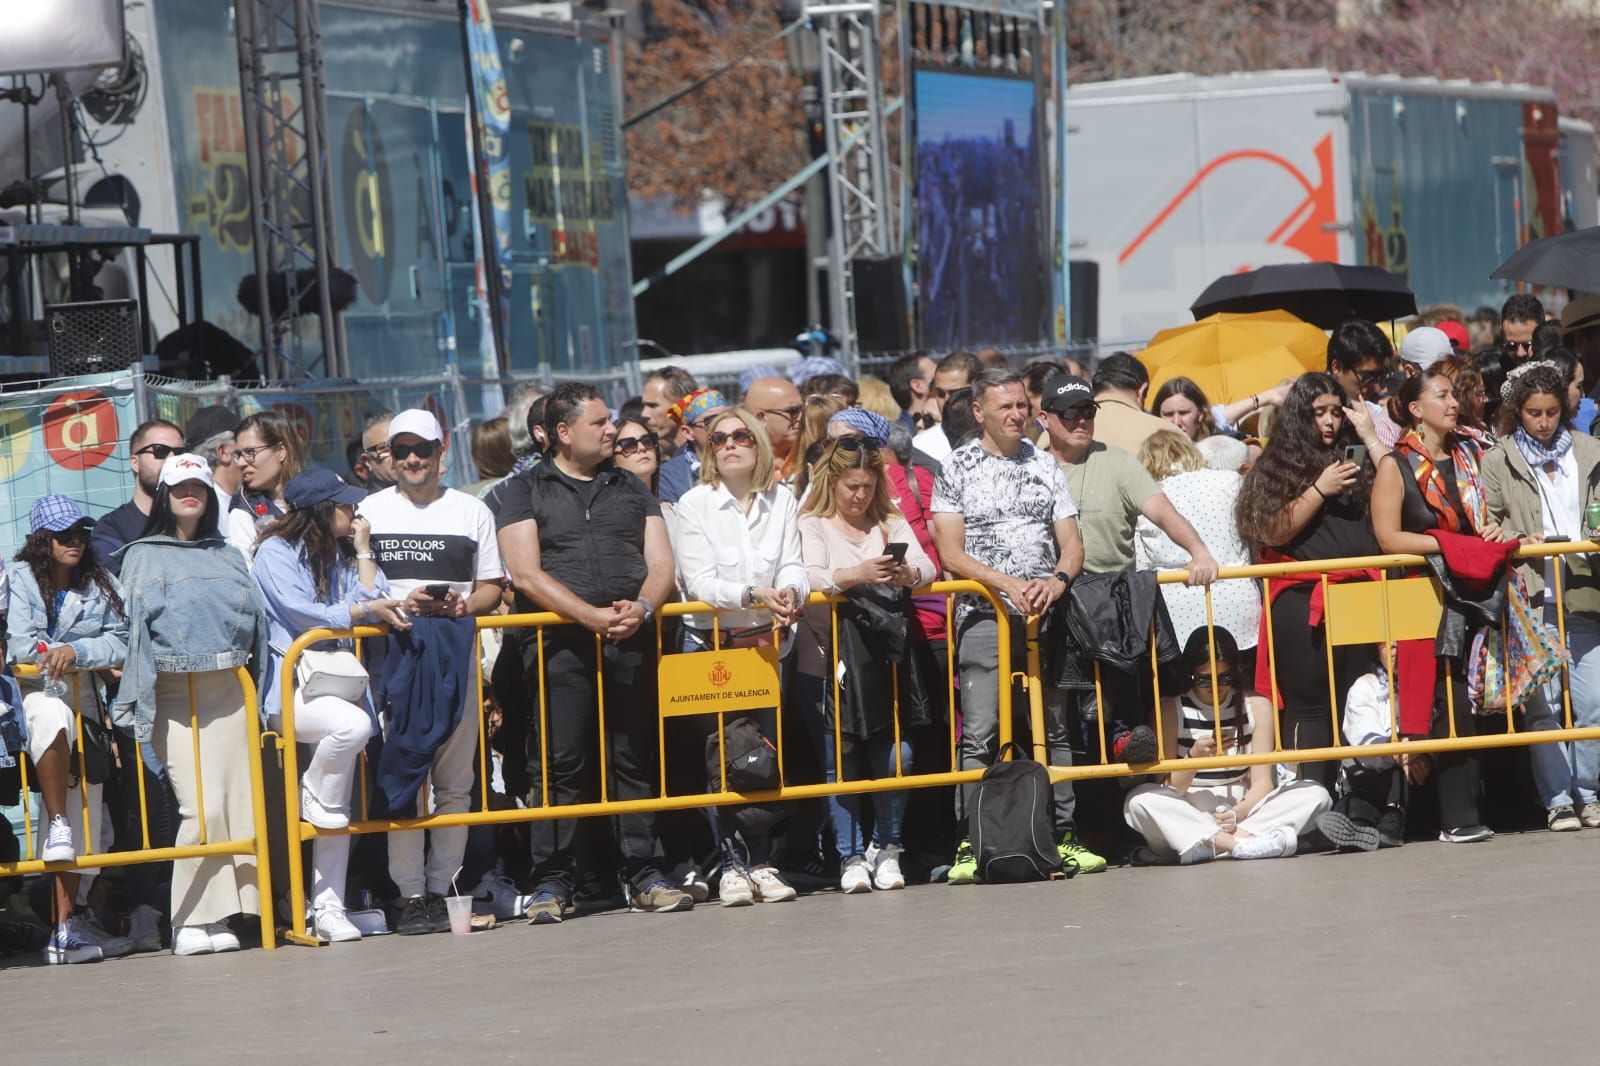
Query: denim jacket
point(87, 623)
point(289, 590)
point(192, 607)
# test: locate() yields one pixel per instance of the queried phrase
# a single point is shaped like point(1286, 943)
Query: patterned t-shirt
point(1009, 505)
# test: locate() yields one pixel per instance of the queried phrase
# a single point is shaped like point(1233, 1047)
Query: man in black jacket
point(586, 540)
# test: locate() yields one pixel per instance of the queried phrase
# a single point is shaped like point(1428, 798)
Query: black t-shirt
point(114, 529)
point(591, 533)
point(1342, 529)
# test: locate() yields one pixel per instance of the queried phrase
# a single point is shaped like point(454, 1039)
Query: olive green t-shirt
point(1109, 486)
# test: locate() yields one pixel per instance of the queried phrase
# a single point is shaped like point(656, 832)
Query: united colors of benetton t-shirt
point(450, 541)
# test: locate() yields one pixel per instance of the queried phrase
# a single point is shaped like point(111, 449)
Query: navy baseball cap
point(316, 485)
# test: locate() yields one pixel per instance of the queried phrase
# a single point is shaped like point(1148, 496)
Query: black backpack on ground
point(1012, 829)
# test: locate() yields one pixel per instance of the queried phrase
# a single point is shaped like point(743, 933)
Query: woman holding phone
point(852, 534)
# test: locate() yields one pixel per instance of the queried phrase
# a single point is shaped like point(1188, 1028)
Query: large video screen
point(980, 215)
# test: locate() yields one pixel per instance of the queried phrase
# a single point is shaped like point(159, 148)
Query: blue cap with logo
point(315, 485)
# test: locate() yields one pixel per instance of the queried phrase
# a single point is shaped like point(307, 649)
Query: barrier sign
point(708, 682)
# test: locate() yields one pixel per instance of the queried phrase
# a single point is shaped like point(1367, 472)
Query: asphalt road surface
point(1434, 953)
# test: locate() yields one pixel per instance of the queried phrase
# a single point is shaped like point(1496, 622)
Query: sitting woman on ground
point(738, 548)
point(1183, 403)
point(1305, 500)
point(846, 529)
point(66, 614)
point(1539, 481)
point(1431, 482)
point(1199, 815)
point(190, 601)
point(316, 569)
point(269, 452)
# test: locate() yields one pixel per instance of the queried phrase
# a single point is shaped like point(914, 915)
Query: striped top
point(1195, 721)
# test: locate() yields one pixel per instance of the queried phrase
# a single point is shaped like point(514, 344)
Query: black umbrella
point(1323, 294)
point(1569, 260)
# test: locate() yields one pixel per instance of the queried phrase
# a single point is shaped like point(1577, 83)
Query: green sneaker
point(965, 869)
point(1076, 855)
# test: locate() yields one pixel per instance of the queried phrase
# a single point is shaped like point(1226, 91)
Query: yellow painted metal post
point(483, 735)
point(83, 764)
point(600, 705)
point(1561, 634)
point(1216, 696)
point(1041, 751)
point(289, 751)
point(838, 730)
point(258, 801)
point(194, 735)
point(1100, 713)
point(544, 729)
point(1155, 687)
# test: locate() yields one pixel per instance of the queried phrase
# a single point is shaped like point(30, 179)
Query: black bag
point(98, 756)
point(752, 760)
point(1012, 831)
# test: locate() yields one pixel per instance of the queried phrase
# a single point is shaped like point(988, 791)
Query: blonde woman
point(813, 432)
point(852, 535)
point(738, 548)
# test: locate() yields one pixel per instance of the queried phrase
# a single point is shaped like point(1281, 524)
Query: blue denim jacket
point(192, 607)
point(292, 607)
point(87, 623)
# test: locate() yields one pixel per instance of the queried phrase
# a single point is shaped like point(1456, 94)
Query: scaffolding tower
point(858, 172)
point(291, 195)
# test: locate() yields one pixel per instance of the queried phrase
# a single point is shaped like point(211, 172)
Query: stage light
point(49, 35)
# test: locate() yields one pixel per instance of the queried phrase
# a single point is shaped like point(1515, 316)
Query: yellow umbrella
point(1232, 356)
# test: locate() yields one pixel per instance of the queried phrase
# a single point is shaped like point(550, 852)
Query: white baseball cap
point(417, 422)
point(1425, 346)
point(186, 466)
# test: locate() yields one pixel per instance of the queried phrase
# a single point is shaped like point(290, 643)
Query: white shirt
point(933, 443)
point(1559, 507)
point(722, 550)
point(451, 541)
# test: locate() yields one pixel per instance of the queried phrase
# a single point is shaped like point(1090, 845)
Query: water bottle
point(56, 687)
point(1591, 520)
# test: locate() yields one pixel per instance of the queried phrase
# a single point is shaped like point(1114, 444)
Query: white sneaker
point(58, 841)
point(885, 863)
point(312, 810)
point(85, 928)
point(1277, 844)
point(770, 887)
point(735, 889)
point(332, 924)
point(497, 894)
point(144, 928)
point(191, 940)
point(222, 938)
point(855, 876)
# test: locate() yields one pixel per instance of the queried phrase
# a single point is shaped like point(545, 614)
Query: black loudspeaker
point(1084, 277)
point(93, 338)
point(881, 324)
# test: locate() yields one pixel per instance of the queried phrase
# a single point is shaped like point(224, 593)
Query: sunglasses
point(424, 450)
point(854, 444)
point(1372, 377)
point(629, 445)
point(161, 451)
point(70, 535)
point(923, 420)
point(380, 451)
point(789, 414)
point(1079, 411)
point(742, 437)
point(1520, 346)
point(1198, 680)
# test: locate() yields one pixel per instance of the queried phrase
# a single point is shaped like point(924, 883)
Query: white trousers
point(340, 730)
point(1172, 822)
point(49, 717)
point(451, 782)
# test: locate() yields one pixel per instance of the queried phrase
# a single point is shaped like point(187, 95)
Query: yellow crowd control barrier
point(676, 668)
point(1377, 612)
point(89, 858)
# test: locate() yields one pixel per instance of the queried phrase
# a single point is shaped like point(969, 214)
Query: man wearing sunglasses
point(1361, 360)
point(430, 539)
point(375, 457)
point(779, 406)
point(152, 442)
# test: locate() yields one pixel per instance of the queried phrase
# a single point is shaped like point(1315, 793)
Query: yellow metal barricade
point(90, 859)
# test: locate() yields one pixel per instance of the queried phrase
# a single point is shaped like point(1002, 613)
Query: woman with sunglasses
point(1195, 816)
point(66, 614)
point(316, 569)
point(269, 452)
point(738, 549)
point(638, 452)
point(194, 616)
point(846, 527)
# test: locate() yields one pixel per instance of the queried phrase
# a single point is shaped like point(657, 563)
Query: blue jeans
point(1565, 774)
point(874, 755)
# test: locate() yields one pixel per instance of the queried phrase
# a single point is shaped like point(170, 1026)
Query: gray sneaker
point(659, 897)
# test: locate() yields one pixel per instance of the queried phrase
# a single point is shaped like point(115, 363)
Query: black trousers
point(1455, 773)
point(1302, 672)
point(145, 882)
point(573, 743)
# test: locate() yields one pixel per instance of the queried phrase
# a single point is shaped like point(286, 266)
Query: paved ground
point(1453, 954)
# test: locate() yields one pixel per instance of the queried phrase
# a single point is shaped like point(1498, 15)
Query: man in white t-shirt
point(438, 550)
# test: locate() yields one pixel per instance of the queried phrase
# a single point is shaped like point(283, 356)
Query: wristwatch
point(1064, 577)
point(649, 611)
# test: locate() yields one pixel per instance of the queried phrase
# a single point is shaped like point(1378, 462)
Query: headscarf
point(874, 428)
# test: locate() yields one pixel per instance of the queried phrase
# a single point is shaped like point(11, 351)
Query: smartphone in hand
point(897, 551)
point(436, 592)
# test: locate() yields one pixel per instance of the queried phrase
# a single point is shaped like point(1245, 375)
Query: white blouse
point(722, 550)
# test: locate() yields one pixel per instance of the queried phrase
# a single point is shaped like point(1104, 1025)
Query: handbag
point(99, 755)
point(331, 673)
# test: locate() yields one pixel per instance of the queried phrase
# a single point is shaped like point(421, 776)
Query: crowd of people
point(1058, 491)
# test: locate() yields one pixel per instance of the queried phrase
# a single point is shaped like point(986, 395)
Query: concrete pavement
point(1455, 954)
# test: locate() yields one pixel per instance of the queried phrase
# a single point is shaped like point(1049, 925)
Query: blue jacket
point(678, 475)
point(192, 607)
point(421, 683)
point(87, 623)
point(289, 591)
